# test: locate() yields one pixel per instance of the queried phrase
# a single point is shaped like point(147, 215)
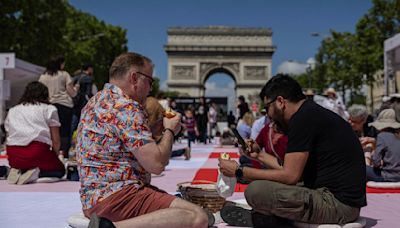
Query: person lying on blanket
point(322, 150)
point(116, 155)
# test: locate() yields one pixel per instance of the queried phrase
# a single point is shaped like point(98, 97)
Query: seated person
point(259, 124)
point(273, 142)
point(385, 160)
point(322, 149)
point(156, 116)
point(245, 124)
point(358, 119)
point(244, 128)
point(33, 137)
point(227, 137)
point(116, 154)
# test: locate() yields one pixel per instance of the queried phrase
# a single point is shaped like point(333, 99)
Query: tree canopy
point(36, 30)
point(346, 60)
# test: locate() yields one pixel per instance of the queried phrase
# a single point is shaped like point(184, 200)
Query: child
point(191, 127)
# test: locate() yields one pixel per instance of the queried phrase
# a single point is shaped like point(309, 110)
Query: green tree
point(9, 20)
point(381, 22)
point(33, 29)
point(348, 60)
point(334, 62)
point(89, 40)
point(36, 30)
point(302, 79)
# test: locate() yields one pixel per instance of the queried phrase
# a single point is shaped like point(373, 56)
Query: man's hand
point(228, 167)
point(252, 149)
point(368, 142)
point(173, 123)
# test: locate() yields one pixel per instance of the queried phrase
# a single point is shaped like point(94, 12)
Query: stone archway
point(195, 53)
point(209, 69)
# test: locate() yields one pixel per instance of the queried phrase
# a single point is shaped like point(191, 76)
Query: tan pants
point(299, 203)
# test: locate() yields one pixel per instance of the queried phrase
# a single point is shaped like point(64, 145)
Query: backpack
point(84, 92)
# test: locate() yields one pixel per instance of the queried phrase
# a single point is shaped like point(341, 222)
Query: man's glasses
point(266, 106)
point(150, 78)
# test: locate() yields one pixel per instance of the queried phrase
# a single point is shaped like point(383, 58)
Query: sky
point(291, 21)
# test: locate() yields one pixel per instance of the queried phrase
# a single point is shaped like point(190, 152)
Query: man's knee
point(196, 215)
point(259, 191)
point(200, 218)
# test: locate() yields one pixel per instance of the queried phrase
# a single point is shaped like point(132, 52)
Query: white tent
point(391, 63)
point(15, 80)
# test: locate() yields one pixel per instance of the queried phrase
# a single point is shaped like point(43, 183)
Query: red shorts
point(131, 202)
point(36, 154)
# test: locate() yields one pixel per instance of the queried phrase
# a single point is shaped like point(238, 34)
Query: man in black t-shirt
point(322, 150)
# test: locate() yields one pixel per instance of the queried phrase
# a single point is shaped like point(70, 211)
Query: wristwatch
point(239, 172)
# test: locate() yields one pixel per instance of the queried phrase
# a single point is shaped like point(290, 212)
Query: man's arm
point(155, 156)
point(269, 160)
point(254, 151)
point(290, 173)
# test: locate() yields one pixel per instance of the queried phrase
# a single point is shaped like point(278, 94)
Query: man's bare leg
point(180, 214)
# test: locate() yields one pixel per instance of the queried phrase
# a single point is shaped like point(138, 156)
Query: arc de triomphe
point(194, 54)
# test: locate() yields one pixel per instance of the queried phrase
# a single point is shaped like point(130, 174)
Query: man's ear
point(132, 77)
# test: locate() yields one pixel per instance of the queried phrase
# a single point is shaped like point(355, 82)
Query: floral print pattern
point(111, 128)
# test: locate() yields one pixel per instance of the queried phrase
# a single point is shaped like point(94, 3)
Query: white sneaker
point(29, 176)
point(13, 176)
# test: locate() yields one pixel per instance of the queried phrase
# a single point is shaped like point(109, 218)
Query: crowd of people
point(302, 161)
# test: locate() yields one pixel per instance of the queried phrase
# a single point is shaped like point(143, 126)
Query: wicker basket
point(202, 193)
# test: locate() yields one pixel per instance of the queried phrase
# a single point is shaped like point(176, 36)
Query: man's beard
point(279, 121)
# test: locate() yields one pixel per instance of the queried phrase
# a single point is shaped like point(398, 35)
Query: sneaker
point(238, 216)
point(4, 171)
point(13, 176)
point(29, 176)
point(187, 153)
point(99, 222)
point(211, 218)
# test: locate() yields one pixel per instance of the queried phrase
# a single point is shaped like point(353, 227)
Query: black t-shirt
point(336, 159)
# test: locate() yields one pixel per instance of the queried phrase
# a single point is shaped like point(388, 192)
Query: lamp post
point(310, 67)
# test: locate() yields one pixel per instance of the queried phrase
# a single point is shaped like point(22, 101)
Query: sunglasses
point(150, 78)
point(266, 106)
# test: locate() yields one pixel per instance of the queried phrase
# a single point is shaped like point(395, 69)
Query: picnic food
point(225, 156)
point(169, 113)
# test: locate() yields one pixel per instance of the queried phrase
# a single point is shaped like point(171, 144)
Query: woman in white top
point(33, 138)
point(61, 91)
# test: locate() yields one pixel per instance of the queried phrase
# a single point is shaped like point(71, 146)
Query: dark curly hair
point(35, 93)
point(282, 85)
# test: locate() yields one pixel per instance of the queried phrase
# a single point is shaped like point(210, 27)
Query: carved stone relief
point(183, 72)
point(205, 67)
point(255, 72)
point(232, 66)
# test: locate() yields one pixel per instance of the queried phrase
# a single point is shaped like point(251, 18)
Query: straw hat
point(386, 119)
point(395, 95)
point(330, 90)
point(309, 92)
point(385, 98)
